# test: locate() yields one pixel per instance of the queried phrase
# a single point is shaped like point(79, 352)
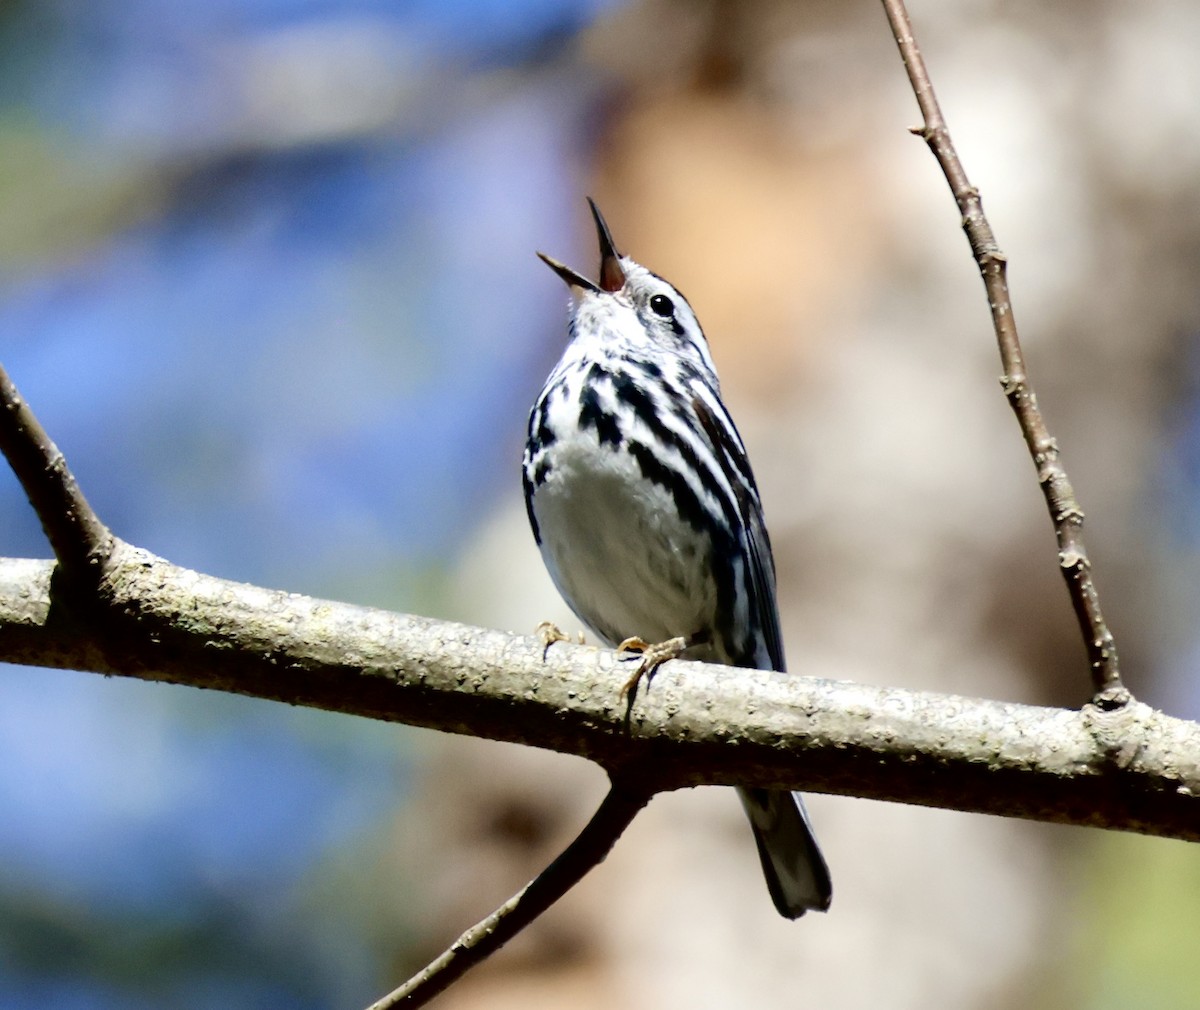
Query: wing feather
point(728, 448)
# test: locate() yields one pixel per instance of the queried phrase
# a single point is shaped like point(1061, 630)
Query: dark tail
point(797, 876)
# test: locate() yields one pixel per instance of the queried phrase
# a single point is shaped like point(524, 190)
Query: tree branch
point(1065, 512)
point(80, 541)
point(1133, 768)
point(487, 936)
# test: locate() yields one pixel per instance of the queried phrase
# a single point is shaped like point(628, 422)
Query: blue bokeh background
point(269, 282)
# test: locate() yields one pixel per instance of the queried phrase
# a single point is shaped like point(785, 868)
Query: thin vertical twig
point(589, 848)
point(1064, 509)
point(80, 541)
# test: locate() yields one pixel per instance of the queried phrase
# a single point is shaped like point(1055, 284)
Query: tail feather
point(797, 876)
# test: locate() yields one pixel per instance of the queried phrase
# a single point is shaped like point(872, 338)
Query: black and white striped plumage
point(643, 504)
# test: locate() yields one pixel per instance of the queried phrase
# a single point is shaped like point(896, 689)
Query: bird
point(645, 510)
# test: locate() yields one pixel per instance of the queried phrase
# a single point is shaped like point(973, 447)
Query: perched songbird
point(644, 507)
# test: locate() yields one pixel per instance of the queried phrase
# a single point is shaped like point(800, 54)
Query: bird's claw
point(650, 658)
point(548, 633)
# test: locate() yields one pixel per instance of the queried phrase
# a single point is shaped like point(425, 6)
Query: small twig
point(81, 542)
point(1065, 512)
point(593, 843)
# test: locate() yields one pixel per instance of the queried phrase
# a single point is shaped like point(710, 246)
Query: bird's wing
point(727, 445)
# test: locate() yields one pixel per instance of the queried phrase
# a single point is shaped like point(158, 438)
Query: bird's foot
point(548, 633)
point(650, 658)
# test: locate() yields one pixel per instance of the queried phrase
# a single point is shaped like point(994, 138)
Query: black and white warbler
point(647, 515)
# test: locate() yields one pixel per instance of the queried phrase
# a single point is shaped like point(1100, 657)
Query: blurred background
point(267, 277)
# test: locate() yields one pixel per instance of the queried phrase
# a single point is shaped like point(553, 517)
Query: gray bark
point(1128, 767)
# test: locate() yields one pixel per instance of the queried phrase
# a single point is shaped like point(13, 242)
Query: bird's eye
point(662, 306)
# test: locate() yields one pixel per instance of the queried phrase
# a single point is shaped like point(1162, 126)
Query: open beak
point(573, 279)
point(612, 277)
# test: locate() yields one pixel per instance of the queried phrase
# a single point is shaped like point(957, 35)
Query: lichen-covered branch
point(1132, 768)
